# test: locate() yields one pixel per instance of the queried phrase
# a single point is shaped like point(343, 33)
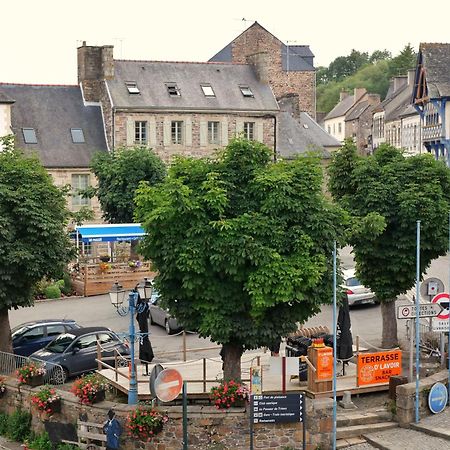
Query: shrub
point(228, 393)
point(52, 291)
point(19, 425)
point(44, 398)
point(67, 289)
point(145, 422)
point(4, 418)
point(39, 442)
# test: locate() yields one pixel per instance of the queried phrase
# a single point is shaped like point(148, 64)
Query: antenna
point(287, 53)
point(120, 39)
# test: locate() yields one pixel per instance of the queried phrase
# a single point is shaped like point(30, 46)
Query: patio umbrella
point(344, 335)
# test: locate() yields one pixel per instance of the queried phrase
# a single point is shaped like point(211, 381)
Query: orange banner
point(324, 364)
point(377, 368)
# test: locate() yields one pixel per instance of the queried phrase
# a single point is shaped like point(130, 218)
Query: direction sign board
point(425, 310)
point(440, 322)
point(278, 408)
point(437, 398)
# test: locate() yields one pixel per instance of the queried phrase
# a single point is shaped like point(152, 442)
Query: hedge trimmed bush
point(52, 291)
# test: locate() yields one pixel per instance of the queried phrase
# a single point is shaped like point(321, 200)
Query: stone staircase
point(353, 424)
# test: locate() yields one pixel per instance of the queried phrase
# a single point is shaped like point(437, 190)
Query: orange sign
point(168, 385)
point(324, 364)
point(377, 368)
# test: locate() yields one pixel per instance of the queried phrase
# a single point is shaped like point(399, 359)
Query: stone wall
point(208, 428)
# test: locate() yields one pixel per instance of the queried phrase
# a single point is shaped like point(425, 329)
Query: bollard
point(346, 401)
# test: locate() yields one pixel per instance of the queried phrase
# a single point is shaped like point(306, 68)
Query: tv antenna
point(120, 39)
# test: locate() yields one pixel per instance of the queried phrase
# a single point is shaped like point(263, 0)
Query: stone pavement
point(6, 444)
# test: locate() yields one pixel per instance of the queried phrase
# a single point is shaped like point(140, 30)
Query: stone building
point(288, 69)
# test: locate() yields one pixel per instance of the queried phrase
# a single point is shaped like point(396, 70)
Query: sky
point(39, 38)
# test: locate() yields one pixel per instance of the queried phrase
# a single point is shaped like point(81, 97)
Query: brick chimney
point(358, 94)
point(343, 95)
point(260, 62)
point(399, 82)
point(411, 76)
point(95, 64)
point(290, 104)
point(373, 99)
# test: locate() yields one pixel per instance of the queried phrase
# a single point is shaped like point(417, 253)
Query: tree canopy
point(394, 191)
point(34, 242)
point(119, 174)
point(242, 246)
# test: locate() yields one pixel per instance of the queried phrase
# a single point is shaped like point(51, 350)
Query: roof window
point(132, 87)
point(173, 90)
point(246, 91)
point(77, 135)
point(208, 90)
point(29, 135)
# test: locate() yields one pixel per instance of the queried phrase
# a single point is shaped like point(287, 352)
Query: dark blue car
point(32, 336)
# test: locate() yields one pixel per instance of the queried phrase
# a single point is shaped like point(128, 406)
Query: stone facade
point(257, 40)
point(208, 427)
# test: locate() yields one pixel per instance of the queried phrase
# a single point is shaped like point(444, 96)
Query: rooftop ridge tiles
point(6, 83)
point(182, 62)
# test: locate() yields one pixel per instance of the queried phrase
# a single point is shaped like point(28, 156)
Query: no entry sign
point(440, 322)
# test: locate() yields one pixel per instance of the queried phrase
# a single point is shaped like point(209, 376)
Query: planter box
point(99, 397)
point(55, 406)
point(35, 381)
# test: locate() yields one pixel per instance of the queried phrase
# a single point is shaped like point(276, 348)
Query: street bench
point(90, 436)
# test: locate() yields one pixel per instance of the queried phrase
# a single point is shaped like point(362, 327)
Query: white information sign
point(425, 310)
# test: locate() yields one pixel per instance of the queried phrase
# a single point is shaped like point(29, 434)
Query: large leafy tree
point(242, 246)
point(119, 174)
point(34, 242)
point(394, 191)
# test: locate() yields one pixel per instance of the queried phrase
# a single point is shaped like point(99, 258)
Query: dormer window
point(208, 90)
point(77, 135)
point(29, 135)
point(132, 87)
point(173, 89)
point(246, 91)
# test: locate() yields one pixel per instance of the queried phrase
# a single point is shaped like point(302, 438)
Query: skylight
point(208, 90)
point(173, 90)
point(77, 135)
point(246, 91)
point(29, 135)
point(132, 87)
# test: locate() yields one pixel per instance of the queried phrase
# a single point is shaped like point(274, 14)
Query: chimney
point(260, 63)
point(399, 82)
point(411, 76)
point(290, 104)
point(373, 99)
point(343, 95)
point(358, 94)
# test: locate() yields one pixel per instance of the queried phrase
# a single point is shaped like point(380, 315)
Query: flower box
point(34, 381)
point(54, 406)
point(90, 388)
point(99, 397)
point(47, 400)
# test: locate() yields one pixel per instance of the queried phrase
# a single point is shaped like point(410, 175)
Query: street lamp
point(116, 295)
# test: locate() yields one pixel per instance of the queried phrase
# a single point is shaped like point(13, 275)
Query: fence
point(9, 363)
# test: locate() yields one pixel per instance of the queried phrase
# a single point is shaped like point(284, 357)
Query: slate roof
point(151, 78)
point(356, 111)
point(436, 60)
point(5, 98)
point(341, 108)
point(394, 107)
point(298, 136)
point(52, 111)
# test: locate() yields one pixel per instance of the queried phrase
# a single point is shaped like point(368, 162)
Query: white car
point(357, 293)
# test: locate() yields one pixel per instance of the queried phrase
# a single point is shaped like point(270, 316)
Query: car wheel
point(60, 376)
point(167, 327)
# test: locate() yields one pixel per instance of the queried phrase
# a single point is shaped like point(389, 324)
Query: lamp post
point(117, 294)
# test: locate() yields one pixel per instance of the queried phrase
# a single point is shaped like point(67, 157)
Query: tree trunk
point(389, 333)
point(231, 356)
point(5, 332)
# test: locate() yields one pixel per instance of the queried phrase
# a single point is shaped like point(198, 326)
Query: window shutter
point(239, 126)
point(203, 133)
point(188, 132)
point(167, 132)
point(151, 123)
point(260, 131)
point(130, 132)
point(224, 138)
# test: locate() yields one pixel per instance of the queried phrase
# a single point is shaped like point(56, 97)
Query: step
point(362, 430)
point(346, 443)
point(440, 430)
point(350, 418)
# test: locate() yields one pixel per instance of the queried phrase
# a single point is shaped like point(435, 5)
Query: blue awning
point(110, 232)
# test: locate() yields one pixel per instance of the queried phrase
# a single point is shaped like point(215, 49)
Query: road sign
point(443, 300)
point(425, 310)
point(437, 398)
point(278, 408)
point(431, 287)
point(168, 385)
point(157, 369)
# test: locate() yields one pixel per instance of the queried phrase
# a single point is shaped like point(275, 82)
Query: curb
point(46, 300)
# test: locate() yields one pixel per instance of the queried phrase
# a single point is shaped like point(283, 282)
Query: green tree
point(242, 246)
point(119, 174)
point(379, 55)
point(391, 192)
point(344, 66)
point(34, 242)
point(404, 61)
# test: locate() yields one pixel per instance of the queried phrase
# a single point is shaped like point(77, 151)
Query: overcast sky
point(39, 37)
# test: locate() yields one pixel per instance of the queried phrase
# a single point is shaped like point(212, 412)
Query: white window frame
point(246, 91)
point(132, 87)
point(176, 132)
point(173, 90)
point(208, 90)
point(214, 131)
point(141, 132)
point(77, 200)
point(249, 131)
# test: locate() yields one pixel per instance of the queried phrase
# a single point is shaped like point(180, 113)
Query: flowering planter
point(54, 407)
point(99, 397)
point(37, 380)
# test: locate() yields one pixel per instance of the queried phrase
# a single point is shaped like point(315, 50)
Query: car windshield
point(61, 343)
point(353, 282)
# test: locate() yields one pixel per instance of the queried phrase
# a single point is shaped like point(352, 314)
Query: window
point(173, 90)
point(329, 129)
point(86, 341)
point(105, 338)
point(34, 333)
point(80, 182)
point(177, 132)
point(208, 90)
point(77, 135)
point(339, 127)
point(213, 132)
point(249, 130)
point(246, 91)
point(140, 133)
point(55, 330)
point(132, 87)
point(29, 135)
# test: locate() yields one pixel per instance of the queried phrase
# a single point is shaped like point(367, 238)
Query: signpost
point(437, 398)
point(425, 310)
point(277, 409)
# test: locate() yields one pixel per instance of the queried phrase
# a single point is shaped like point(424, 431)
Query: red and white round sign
point(443, 299)
point(168, 385)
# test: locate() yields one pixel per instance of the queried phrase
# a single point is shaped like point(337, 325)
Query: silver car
point(357, 293)
point(161, 316)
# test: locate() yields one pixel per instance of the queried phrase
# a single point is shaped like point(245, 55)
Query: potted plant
point(2, 387)
point(229, 393)
point(134, 264)
point(90, 388)
point(31, 373)
point(104, 267)
point(145, 422)
point(47, 400)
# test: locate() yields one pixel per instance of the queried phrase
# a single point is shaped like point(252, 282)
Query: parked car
point(356, 293)
point(161, 316)
point(31, 336)
point(76, 350)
